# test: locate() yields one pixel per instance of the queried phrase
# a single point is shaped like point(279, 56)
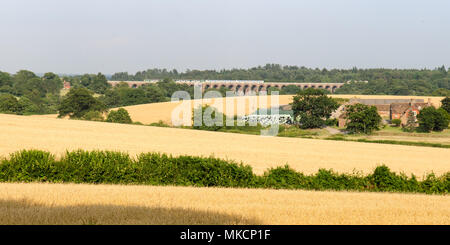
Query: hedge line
point(161, 169)
point(392, 142)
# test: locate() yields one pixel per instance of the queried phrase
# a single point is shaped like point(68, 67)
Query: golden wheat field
point(34, 203)
point(306, 155)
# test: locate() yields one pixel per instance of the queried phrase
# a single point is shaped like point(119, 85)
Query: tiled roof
point(399, 108)
point(382, 107)
point(420, 106)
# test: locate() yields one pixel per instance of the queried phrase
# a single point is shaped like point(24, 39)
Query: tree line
point(27, 93)
point(434, 82)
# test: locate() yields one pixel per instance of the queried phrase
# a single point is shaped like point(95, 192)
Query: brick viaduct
point(244, 87)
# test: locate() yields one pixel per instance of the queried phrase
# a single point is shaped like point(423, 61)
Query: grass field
point(118, 204)
point(305, 155)
point(395, 133)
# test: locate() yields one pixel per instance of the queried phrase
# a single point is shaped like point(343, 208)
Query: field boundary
point(110, 167)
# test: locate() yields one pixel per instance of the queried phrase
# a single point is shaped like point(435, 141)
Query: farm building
point(396, 109)
point(66, 85)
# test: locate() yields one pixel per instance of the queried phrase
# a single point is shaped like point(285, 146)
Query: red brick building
point(401, 110)
point(66, 85)
point(392, 111)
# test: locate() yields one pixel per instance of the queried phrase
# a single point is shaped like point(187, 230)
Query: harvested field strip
point(261, 153)
point(160, 169)
point(392, 142)
point(117, 204)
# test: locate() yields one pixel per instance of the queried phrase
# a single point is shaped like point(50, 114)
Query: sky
point(90, 36)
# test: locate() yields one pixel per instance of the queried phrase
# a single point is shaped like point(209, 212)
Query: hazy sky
point(78, 36)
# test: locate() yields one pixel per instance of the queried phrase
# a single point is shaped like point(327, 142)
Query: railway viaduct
point(243, 87)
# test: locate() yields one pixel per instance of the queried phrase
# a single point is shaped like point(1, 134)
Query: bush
point(196, 171)
point(284, 177)
point(119, 116)
point(160, 123)
point(28, 165)
point(396, 122)
point(161, 169)
point(93, 116)
point(331, 122)
point(97, 167)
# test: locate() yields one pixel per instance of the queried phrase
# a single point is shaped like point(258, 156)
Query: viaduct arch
point(244, 87)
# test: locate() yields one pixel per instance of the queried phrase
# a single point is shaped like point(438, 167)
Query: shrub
point(97, 167)
point(284, 177)
point(28, 165)
point(161, 169)
point(197, 171)
point(385, 180)
point(119, 116)
point(160, 123)
point(331, 122)
point(93, 116)
point(396, 122)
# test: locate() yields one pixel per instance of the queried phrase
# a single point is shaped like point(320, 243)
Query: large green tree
point(78, 102)
point(52, 83)
point(362, 118)
point(432, 119)
point(312, 107)
point(25, 81)
point(99, 84)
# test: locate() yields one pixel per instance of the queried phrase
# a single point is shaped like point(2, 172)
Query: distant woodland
point(380, 81)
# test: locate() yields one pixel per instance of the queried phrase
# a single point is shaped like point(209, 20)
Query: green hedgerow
point(161, 169)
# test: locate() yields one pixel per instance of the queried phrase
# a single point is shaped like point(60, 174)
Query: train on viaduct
point(238, 86)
